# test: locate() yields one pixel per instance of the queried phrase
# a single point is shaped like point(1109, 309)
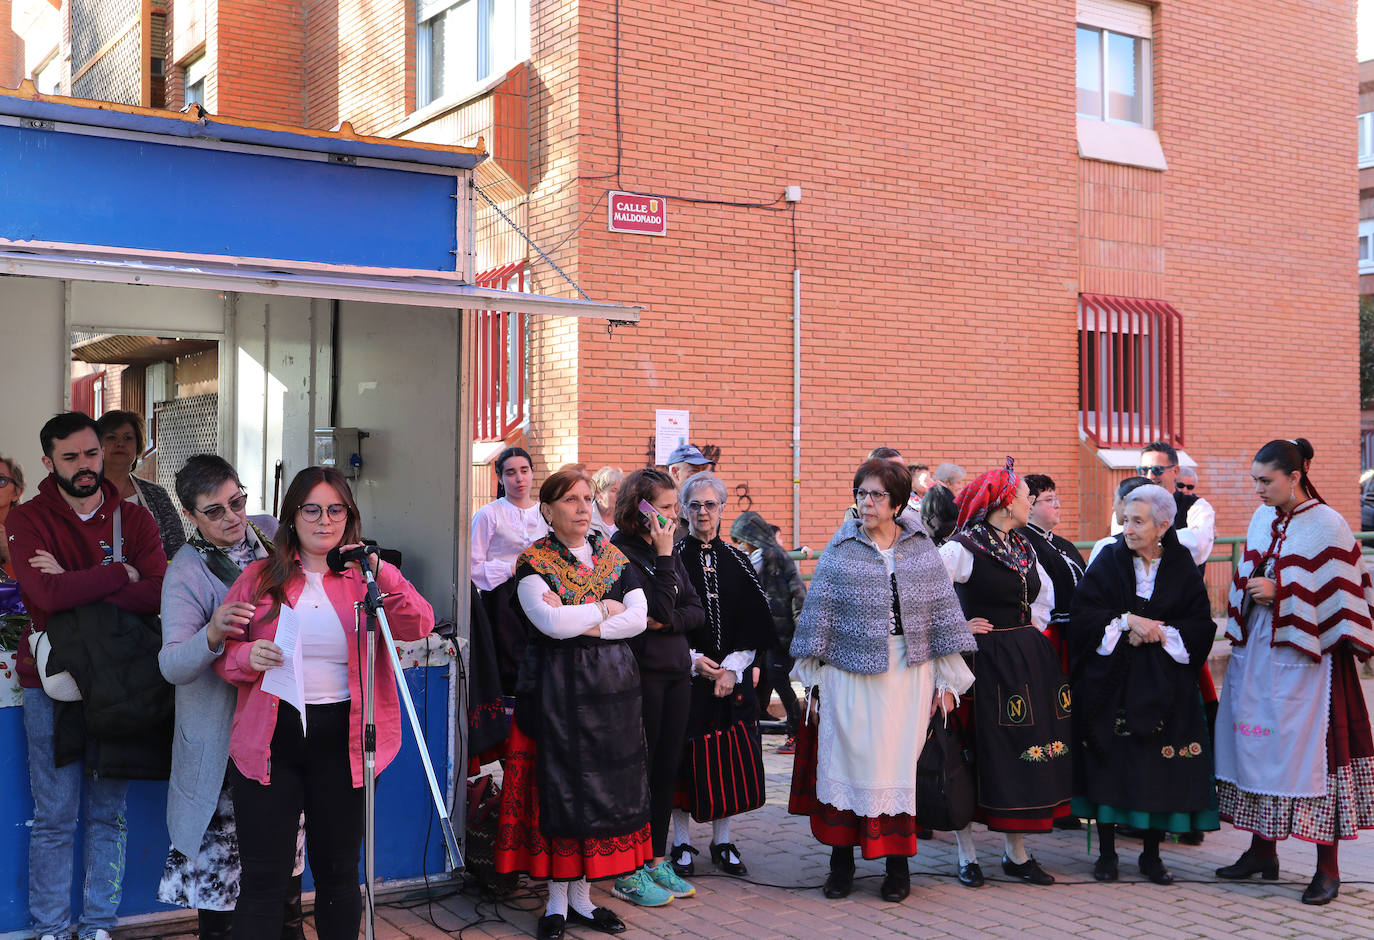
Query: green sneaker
point(667, 879)
point(641, 889)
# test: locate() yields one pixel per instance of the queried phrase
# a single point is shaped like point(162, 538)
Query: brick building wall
point(259, 64)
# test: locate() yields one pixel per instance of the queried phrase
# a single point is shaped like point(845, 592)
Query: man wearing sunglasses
point(1196, 520)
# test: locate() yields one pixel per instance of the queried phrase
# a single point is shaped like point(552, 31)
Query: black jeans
point(312, 772)
point(778, 667)
point(666, 701)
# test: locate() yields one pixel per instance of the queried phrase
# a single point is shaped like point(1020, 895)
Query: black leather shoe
point(1028, 871)
point(551, 927)
point(971, 875)
point(1152, 867)
point(838, 884)
point(684, 871)
point(1247, 865)
point(1322, 890)
point(603, 919)
point(895, 887)
point(1070, 823)
point(1105, 869)
point(925, 834)
point(1191, 838)
point(722, 861)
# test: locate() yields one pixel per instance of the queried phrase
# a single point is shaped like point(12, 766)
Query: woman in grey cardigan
point(202, 869)
point(881, 634)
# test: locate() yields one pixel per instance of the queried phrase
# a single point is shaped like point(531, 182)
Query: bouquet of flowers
point(13, 617)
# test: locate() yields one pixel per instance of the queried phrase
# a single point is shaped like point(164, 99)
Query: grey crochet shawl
point(845, 619)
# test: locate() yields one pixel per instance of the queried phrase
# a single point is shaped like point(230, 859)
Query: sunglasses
point(1155, 471)
point(1187, 487)
point(216, 512)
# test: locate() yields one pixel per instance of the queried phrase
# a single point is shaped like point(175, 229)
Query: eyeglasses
point(710, 506)
point(876, 495)
point(310, 512)
point(1048, 500)
point(6, 481)
point(1187, 487)
point(216, 512)
point(1155, 471)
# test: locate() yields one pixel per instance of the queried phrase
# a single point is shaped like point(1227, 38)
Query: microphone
point(338, 561)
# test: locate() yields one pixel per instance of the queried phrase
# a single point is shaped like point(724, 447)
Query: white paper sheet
point(671, 427)
point(286, 681)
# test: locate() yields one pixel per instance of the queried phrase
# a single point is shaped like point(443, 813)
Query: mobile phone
point(649, 512)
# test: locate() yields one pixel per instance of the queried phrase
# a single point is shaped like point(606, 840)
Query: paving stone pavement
point(782, 898)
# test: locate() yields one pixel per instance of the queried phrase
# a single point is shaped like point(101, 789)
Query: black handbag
point(725, 772)
point(944, 778)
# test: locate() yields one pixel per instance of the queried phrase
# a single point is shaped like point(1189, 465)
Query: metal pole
point(369, 768)
point(796, 407)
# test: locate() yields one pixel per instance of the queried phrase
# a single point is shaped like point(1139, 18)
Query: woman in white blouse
point(1139, 632)
point(501, 530)
point(575, 803)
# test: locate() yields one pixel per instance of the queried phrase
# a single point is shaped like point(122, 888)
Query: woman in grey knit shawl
point(881, 636)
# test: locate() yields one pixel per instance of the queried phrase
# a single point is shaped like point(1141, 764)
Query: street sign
point(637, 214)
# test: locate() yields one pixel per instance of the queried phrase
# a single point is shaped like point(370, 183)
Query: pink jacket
point(411, 618)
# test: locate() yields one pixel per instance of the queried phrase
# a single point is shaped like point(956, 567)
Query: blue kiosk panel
point(89, 189)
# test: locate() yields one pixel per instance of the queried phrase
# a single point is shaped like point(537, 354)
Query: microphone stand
point(377, 622)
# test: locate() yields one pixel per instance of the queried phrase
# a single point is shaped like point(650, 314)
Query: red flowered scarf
point(987, 492)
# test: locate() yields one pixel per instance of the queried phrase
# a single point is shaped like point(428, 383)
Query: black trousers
point(666, 701)
point(312, 772)
point(777, 675)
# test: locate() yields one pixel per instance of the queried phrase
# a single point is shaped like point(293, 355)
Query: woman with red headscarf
point(1021, 699)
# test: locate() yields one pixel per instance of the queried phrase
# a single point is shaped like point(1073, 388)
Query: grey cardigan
point(845, 619)
point(204, 702)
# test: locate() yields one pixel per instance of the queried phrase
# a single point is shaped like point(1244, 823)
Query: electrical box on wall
point(340, 448)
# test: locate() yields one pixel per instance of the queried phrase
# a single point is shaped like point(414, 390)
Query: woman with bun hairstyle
point(283, 761)
point(1294, 751)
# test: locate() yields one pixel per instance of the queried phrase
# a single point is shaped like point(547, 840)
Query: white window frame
point(42, 78)
point(489, 62)
point(1364, 252)
point(197, 73)
point(1365, 125)
point(1144, 80)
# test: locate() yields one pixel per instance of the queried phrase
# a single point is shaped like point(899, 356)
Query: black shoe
point(926, 834)
point(551, 927)
point(1152, 867)
point(214, 925)
point(1191, 838)
point(684, 871)
point(1068, 822)
point(971, 875)
point(1028, 871)
point(603, 919)
point(1322, 890)
point(1105, 869)
point(838, 883)
point(722, 860)
point(895, 887)
point(1247, 865)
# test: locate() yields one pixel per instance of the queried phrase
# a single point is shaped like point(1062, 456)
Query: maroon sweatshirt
point(85, 550)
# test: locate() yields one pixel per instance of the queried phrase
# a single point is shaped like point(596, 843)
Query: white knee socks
point(558, 899)
point(968, 855)
point(682, 834)
point(1016, 848)
point(580, 897)
point(720, 831)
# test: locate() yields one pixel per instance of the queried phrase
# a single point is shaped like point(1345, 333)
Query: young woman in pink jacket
point(285, 762)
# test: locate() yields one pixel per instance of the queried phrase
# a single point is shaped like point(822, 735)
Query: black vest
point(1062, 562)
point(994, 591)
point(1184, 501)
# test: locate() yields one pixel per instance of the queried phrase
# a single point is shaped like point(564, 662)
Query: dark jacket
point(673, 602)
point(781, 580)
point(122, 726)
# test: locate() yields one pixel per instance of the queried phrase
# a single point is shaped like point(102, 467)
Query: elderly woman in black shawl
point(1139, 631)
point(724, 709)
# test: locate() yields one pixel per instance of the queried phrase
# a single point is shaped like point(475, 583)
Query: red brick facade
point(946, 229)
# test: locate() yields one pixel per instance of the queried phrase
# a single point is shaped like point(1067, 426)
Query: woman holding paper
point(288, 758)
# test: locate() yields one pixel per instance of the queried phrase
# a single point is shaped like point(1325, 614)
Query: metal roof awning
point(416, 288)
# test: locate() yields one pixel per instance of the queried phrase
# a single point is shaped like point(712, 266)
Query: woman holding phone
point(645, 510)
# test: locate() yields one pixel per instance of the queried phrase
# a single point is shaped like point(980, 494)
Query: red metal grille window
point(1130, 366)
point(499, 360)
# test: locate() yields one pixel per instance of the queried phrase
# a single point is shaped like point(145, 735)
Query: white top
point(500, 532)
point(1145, 572)
point(1198, 537)
point(324, 645)
point(603, 525)
point(565, 622)
point(959, 563)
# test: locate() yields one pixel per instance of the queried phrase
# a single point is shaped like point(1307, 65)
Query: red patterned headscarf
point(987, 492)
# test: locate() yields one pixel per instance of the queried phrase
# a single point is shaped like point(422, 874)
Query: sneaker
point(667, 879)
point(789, 746)
point(639, 888)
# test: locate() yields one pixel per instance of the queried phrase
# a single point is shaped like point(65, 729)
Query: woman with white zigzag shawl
point(738, 624)
point(1294, 751)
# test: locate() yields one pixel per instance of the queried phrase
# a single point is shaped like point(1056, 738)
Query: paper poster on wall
point(670, 430)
